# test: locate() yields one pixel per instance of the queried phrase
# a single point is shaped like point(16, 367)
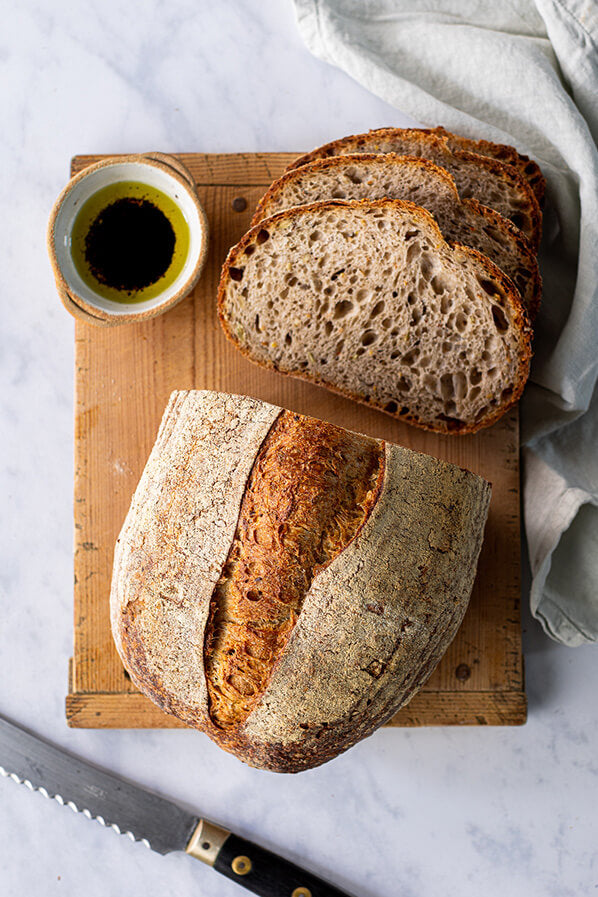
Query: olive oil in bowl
point(129, 242)
point(128, 239)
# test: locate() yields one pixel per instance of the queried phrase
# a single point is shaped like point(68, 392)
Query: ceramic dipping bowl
point(155, 170)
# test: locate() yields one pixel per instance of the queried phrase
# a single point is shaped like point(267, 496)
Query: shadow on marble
point(540, 653)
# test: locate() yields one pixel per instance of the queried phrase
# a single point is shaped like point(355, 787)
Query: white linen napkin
point(523, 72)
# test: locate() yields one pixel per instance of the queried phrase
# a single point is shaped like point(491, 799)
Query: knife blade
point(144, 816)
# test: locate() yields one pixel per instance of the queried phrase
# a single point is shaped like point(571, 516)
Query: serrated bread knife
point(147, 817)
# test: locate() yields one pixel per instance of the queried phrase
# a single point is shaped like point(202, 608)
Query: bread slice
point(372, 176)
point(503, 152)
point(286, 585)
point(498, 186)
point(367, 299)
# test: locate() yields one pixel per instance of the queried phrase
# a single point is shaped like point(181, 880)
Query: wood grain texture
point(124, 376)
point(129, 710)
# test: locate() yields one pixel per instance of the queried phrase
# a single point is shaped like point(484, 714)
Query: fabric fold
point(524, 74)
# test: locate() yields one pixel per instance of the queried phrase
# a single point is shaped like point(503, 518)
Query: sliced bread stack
point(370, 176)
point(502, 187)
point(394, 279)
point(527, 168)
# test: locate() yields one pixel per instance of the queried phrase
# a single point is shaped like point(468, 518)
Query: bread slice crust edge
point(533, 291)
point(497, 169)
point(520, 317)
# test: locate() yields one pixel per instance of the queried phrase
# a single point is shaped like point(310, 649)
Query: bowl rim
point(82, 308)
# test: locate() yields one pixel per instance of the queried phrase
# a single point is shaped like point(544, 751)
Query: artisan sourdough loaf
point(367, 299)
point(375, 176)
point(494, 184)
point(285, 585)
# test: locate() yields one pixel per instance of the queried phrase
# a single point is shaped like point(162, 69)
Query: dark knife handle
point(268, 874)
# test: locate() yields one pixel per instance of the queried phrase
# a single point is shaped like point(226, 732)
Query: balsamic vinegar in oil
point(129, 242)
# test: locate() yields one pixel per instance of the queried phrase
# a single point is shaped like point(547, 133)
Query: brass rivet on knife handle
point(241, 865)
point(206, 841)
point(301, 892)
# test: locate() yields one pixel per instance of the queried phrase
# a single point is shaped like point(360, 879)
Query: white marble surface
point(421, 812)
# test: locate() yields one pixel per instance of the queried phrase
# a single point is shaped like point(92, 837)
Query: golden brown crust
point(375, 619)
point(513, 298)
point(529, 219)
point(311, 489)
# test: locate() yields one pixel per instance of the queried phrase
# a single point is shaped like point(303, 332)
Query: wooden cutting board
point(123, 378)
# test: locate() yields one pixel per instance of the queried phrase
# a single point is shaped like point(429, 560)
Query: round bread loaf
point(286, 585)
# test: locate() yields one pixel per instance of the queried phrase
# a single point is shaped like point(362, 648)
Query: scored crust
point(401, 590)
point(373, 624)
point(310, 491)
point(175, 540)
point(495, 278)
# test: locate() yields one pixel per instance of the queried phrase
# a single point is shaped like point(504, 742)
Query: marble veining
point(406, 812)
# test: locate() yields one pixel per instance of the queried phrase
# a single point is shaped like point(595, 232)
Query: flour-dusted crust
point(483, 177)
point(378, 619)
point(176, 538)
point(374, 621)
